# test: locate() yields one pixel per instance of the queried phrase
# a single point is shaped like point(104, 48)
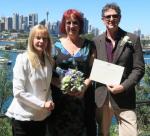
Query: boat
point(4, 60)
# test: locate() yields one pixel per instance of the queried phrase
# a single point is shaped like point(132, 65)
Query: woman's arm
point(21, 93)
point(92, 57)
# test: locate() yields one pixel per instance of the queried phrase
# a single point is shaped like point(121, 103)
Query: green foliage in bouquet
point(72, 80)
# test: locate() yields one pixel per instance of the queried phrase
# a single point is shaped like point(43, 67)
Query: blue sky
point(135, 13)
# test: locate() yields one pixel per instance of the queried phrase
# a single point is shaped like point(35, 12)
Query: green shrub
point(5, 127)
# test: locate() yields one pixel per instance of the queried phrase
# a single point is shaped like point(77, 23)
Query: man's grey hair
point(111, 6)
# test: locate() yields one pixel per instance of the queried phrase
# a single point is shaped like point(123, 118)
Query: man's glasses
point(113, 16)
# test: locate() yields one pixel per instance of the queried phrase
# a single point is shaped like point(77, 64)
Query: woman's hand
point(78, 92)
point(49, 105)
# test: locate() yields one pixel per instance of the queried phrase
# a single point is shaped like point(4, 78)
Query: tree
point(5, 127)
point(145, 42)
point(143, 104)
point(147, 76)
point(88, 36)
point(5, 95)
point(5, 90)
point(5, 84)
point(21, 45)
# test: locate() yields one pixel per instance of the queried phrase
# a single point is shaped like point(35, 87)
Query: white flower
point(126, 39)
point(73, 80)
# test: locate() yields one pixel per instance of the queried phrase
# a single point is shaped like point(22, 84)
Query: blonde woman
point(32, 73)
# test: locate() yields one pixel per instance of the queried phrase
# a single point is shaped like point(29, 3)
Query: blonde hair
point(32, 55)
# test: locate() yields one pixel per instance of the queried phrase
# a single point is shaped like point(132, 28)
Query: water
point(147, 58)
point(13, 56)
point(3, 43)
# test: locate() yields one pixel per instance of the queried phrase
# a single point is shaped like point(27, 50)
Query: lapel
point(101, 49)
point(47, 70)
point(119, 48)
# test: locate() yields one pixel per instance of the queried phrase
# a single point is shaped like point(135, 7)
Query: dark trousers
point(90, 111)
point(28, 128)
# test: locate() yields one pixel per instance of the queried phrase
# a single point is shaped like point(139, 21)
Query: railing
point(147, 102)
point(2, 116)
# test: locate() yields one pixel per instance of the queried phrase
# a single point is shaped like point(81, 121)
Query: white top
point(31, 88)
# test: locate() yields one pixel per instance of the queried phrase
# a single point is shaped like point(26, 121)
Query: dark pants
point(90, 107)
point(28, 128)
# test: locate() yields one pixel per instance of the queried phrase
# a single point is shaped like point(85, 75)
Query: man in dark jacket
point(121, 48)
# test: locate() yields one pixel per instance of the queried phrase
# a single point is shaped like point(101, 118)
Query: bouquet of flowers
point(71, 80)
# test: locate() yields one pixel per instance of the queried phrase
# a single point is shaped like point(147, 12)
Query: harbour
point(12, 57)
point(12, 54)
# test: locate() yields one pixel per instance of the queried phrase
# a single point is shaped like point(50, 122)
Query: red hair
point(67, 15)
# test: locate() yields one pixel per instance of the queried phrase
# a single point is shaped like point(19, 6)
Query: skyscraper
point(15, 21)
point(33, 20)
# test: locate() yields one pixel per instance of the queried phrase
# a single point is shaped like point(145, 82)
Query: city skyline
point(133, 12)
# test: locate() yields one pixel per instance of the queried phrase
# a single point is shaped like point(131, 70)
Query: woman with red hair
point(74, 113)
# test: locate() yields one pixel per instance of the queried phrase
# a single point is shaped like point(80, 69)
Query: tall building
point(15, 21)
point(138, 32)
point(33, 20)
point(93, 30)
point(47, 14)
point(86, 24)
point(25, 24)
point(8, 23)
point(54, 28)
point(2, 24)
point(21, 22)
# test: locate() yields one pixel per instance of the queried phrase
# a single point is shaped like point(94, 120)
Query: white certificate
point(106, 73)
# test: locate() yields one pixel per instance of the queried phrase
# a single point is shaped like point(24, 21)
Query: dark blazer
point(129, 56)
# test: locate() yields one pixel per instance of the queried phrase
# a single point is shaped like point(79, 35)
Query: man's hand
point(115, 89)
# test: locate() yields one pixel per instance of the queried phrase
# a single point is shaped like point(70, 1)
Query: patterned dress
point(73, 116)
